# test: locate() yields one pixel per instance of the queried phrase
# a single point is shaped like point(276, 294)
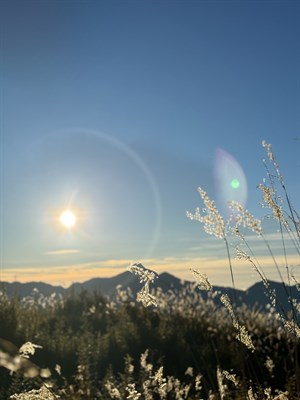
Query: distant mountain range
point(253, 297)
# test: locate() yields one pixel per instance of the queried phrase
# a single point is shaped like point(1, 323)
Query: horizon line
point(124, 272)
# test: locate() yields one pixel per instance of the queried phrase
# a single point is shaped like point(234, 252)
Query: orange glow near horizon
point(216, 270)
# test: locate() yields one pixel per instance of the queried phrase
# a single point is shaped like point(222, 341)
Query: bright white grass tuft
point(230, 377)
point(251, 395)
point(41, 394)
point(133, 394)
point(146, 276)
point(143, 362)
point(221, 385)
point(213, 222)
point(202, 280)
point(17, 360)
point(28, 349)
point(112, 390)
point(242, 333)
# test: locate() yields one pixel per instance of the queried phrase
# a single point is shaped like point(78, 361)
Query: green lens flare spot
point(235, 183)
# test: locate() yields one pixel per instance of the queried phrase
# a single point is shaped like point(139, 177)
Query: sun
point(68, 219)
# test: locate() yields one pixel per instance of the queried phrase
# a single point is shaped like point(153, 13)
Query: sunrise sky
point(119, 110)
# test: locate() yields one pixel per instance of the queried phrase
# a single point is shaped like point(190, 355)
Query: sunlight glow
point(68, 219)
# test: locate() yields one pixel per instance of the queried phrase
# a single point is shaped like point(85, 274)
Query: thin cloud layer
point(62, 252)
point(215, 268)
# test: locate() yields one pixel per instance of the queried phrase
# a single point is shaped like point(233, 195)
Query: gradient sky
point(120, 110)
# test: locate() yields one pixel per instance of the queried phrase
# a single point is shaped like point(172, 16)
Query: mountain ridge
point(254, 296)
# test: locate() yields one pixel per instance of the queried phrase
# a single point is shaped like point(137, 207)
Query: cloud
point(117, 263)
point(216, 268)
point(66, 274)
point(62, 252)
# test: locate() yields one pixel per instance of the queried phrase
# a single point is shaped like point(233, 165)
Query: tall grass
point(175, 345)
point(277, 200)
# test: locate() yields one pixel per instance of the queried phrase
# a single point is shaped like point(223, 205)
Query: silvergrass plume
point(146, 276)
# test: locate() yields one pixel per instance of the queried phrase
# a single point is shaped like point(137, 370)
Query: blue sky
point(120, 110)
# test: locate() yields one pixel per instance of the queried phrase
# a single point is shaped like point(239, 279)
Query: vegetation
point(161, 345)
point(88, 342)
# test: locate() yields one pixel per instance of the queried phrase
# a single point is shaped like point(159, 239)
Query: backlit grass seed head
point(146, 276)
point(251, 395)
point(112, 390)
point(28, 349)
point(198, 383)
point(163, 391)
point(243, 337)
point(269, 364)
point(268, 393)
point(272, 295)
point(279, 396)
point(269, 202)
point(268, 147)
point(189, 371)
point(241, 254)
point(222, 387)
point(292, 327)
point(226, 301)
point(159, 378)
point(242, 217)
point(144, 363)
point(122, 295)
point(58, 369)
point(181, 391)
point(296, 305)
point(252, 223)
point(282, 396)
point(242, 333)
point(133, 394)
point(212, 220)
point(231, 377)
point(202, 280)
point(147, 389)
point(274, 164)
point(129, 367)
point(145, 297)
point(41, 394)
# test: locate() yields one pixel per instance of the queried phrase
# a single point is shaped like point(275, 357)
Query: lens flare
point(231, 183)
point(235, 183)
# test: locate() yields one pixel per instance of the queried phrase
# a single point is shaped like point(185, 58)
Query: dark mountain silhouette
point(26, 289)
point(255, 296)
point(106, 286)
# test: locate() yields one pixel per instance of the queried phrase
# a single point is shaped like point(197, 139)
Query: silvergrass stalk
point(279, 176)
point(146, 276)
point(242, 333)
point(275, 202)
point(214, 225)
